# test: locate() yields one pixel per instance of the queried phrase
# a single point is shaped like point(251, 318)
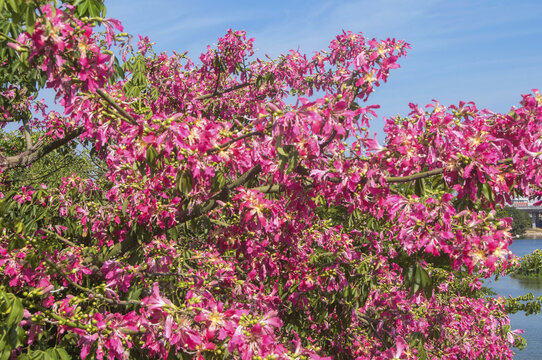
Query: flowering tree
point(247, 212)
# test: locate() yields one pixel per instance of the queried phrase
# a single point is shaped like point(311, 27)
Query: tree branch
point(8, 120)
point(424, 174)
point(328, 140)
point(37, 151)
point(223, 195)
point(268, 189)
point(420, 175)
point(228, 143)
point(116, 106)
point(8, 38)
point(59, 237)
point(27, 134)
point(220, 93)
point(89, 291)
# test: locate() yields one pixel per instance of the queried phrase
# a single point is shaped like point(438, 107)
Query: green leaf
point(417, 280)
point(151, 154)
point(259, 80)
point(124, 207)
point(218, 182)
point(62, 354)
point(281, 151)
point(487, 191)
point(30, 19)
point(409, 275)
point(16, 243)
point(134, 92)
point(419, 187)
point(37, 355)
point(134, 293)
point(426, 282)
point(5, 355)
point(424, 277)
point(51, 354)
point(14, 5)
point(184, 182)
point(139, 66)
point(293, 160)
point(422, 354)
point(82, 8)
point(127, 88)
point(4, 345)
point(95, 8)
point(16, 314)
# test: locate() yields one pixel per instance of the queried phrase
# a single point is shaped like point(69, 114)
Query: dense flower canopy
point(247, 211)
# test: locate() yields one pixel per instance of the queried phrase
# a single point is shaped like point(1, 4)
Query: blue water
point(508, 286)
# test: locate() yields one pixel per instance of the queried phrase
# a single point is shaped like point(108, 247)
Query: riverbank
point(532, 234)
point(537, 277)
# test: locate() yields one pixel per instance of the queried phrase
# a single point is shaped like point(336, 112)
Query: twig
point(6, 37)
point(116, 106)
point(59, 237)
point(420, 175)
point(424, 174)
point(88, 291)
point(220, 93)
point(8, 120)
point(228, 143)
point(328, 140)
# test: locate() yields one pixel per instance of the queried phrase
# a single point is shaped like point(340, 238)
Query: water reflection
point(508, 286)
point(530, 285)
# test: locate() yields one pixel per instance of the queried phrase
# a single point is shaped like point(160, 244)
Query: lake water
point(508, 286)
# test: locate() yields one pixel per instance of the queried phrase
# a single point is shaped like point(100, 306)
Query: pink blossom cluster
point(67, 50)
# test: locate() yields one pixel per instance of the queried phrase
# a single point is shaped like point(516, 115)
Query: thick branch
point(402, 179)
point(37, 151)
point(420, 175)
point(224, 194)
point(27, 134)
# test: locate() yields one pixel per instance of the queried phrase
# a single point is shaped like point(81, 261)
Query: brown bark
point(37, 151)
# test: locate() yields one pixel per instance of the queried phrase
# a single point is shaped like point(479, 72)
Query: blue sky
point(489, 52)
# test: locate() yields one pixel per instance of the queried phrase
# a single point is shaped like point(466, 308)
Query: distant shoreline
point(531, 234)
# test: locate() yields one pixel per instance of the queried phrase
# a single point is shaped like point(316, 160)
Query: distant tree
point(521, 221)
point(530, 266)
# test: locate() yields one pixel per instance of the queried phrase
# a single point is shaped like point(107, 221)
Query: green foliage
point(49, 354)
point(530, 266)
point(525, 303)
point(521, 220)
point(50, 169)
point(11, 314)
point(15, 18)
